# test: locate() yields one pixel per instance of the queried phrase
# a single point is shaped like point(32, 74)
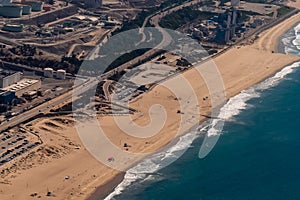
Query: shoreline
point(241, 67)
point(100, 191)
point(104, 190)
point(280, 45)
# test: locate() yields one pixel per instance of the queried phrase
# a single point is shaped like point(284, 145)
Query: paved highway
point(166, 38)
point(92, 82)
point(47, 106)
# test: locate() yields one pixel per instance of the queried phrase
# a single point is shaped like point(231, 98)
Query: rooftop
point(20, 85)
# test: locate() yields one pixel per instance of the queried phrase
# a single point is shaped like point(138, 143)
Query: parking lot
point(15, 143)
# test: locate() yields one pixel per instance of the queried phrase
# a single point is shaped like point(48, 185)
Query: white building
point(23, 86)
point(7, 79)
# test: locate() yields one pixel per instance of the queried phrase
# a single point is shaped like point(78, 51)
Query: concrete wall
point(9, 80)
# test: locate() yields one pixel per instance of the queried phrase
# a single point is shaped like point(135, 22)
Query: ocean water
point(256, 156)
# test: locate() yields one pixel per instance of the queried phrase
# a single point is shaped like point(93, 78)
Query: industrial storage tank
point(36, 6)
point(48, 72)
point(13, 27)
point(11, 10)
point(61, 74)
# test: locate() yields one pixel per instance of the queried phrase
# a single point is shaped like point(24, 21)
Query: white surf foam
point(232, 108)
point(149, 166)
point(291, 41)
point(296, 41)
point(238, 103)
point(129, 178)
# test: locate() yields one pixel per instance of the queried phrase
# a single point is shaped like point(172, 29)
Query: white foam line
point(239, 102)
point(152, 164)
point(232, 108)
point(292, 42)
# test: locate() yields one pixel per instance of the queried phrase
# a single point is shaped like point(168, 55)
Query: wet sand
point(240, 67)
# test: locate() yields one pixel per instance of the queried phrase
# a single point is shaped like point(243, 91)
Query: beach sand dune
point(240, 67)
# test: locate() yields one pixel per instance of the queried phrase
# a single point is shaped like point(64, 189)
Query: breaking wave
point(291, 41)
point(146, 169)
point(233, 107)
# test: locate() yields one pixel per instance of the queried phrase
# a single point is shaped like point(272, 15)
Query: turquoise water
point(256, 157)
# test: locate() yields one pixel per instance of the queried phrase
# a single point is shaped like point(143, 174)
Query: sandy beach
point(40, 172)
point(294, 3)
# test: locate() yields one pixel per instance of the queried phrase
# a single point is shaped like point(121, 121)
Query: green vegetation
point(125, 58)
point(183, 62)
point(140, 18)
point(182, 17)
point(25, 50)
point(28, 55)
point(137, 22)
point(283, 10)
point(244, 15)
